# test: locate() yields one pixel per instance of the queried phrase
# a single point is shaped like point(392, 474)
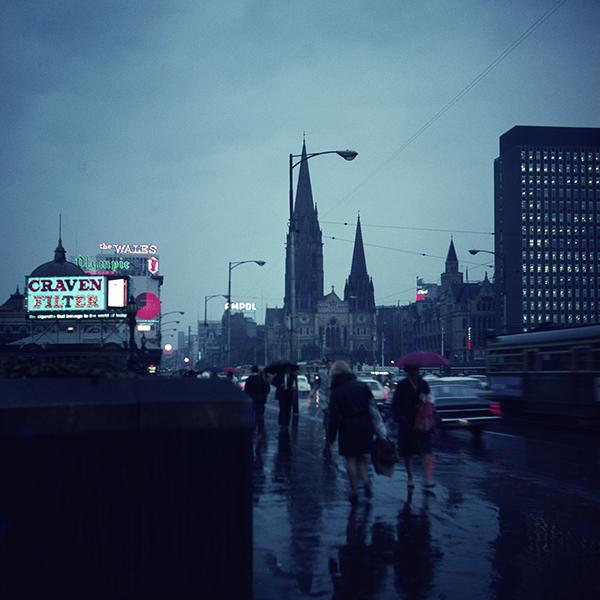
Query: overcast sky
point(171, 123)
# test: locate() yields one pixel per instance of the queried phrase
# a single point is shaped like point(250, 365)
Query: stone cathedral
point(327, 326)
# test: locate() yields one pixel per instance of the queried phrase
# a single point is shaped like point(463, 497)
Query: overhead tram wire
point(456, 98)
point(404, 251)
point(410, 228)
point(395, 294)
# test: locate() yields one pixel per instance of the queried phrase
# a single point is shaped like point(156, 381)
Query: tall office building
point(547, 226)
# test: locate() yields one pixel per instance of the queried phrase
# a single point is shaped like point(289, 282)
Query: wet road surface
point(515, 514)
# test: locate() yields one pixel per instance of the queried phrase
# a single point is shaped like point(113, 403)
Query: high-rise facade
point(547, 227)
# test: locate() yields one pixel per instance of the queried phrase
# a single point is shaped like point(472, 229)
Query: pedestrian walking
point(324, 392)
point(285, 383)
point(350, 417)
point(411, 393)
point(258, 388)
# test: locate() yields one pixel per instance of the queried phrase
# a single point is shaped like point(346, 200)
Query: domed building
point(59, 267)
point(55, 343)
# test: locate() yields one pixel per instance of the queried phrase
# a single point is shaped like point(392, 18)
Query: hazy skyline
point(170, 123)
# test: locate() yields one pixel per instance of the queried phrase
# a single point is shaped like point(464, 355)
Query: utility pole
point(266, 343)
point(292, 264)
point(442, 348)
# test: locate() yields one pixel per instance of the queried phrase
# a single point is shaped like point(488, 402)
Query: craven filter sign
point(66, 294)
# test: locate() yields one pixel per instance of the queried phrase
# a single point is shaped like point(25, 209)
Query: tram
point(553, 373)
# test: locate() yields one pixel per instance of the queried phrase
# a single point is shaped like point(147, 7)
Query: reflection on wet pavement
point(512, 516)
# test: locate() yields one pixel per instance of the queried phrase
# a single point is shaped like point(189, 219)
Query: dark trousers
point(285, 412)
point(295, 407)
point(259, 416)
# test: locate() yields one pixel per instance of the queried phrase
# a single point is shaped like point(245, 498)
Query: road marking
point(510, 435)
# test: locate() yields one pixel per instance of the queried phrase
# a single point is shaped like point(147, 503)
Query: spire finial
point(60, 227)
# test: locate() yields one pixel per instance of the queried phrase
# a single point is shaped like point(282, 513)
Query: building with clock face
point(327, 326)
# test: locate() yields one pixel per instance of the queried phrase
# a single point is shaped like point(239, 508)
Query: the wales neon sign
point(148, 249)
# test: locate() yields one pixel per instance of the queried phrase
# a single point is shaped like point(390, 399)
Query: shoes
point(353, 499)
point(368, 491)
point(430, 489)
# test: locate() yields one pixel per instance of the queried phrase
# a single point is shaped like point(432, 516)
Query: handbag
point(384, 456)
point(377, 420)
point(425, 419)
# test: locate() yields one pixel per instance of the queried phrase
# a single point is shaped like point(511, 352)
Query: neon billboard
point(129, 248)
point(75, 297)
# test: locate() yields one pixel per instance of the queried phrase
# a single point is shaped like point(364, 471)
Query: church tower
point(358, 291)
point(451, 275)
point(309, 246)
point(360, 297)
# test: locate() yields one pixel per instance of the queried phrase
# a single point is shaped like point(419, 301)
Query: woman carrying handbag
point(414, 412)
point(349, 417)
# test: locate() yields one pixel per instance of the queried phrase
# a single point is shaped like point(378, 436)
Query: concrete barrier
point(133, 488)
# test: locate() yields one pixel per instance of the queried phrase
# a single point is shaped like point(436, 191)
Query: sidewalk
point(307, 540)
point(492, 529)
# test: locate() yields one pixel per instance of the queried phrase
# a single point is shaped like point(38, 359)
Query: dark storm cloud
point(171, 122)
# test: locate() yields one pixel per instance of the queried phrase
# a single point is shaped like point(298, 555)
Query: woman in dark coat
point(407, 397)
point(349, 415)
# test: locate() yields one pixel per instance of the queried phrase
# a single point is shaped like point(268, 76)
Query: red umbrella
point(230, 370)
point(423, 359)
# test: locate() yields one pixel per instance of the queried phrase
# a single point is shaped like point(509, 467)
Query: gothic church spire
point(304, 206)
point(359, 290)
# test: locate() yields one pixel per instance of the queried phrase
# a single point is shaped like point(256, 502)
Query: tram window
point(581, 359)
point(506, 362)
point(596, 359)
point(556, 361)
point(531, 360)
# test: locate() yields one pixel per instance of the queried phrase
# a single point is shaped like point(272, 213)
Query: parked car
point(460, 402)
point(381, 395)
point(242, 382)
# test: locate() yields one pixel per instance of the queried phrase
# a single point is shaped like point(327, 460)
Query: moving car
point(459, 402)
point(380, 394)
point(303, 387)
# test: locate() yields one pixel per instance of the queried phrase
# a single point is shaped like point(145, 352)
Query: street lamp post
point(346, 155)
point(162, 316)
point(169, 323)
point(173, 312)
point(233, 265)
point(206, 299)
point(475, 251)
point(131, 322)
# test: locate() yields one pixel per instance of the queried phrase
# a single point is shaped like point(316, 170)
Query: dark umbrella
point(423, 359)
point(279, 366)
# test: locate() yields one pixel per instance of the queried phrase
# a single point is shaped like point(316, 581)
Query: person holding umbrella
point(257, 387)
point(286, 384)
point(410, 395)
